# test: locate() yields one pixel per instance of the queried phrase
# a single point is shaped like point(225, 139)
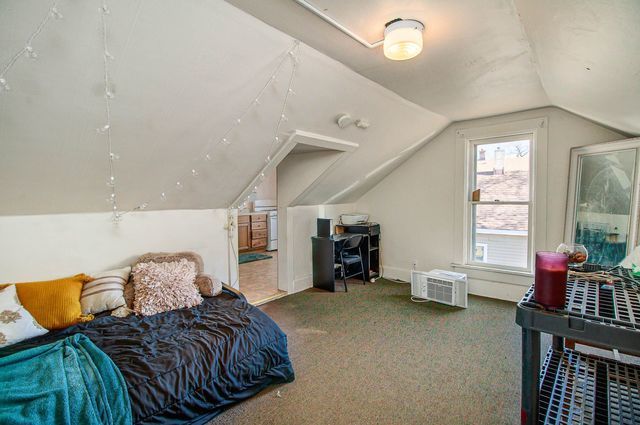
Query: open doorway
point(258, 243)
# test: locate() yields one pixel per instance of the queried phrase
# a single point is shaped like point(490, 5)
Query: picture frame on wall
point(602, 200)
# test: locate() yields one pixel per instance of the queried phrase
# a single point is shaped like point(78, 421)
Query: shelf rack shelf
point(605, 314)
point(576, 388)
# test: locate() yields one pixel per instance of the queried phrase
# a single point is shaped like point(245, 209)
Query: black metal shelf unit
point(605, 314)
point(576, 389)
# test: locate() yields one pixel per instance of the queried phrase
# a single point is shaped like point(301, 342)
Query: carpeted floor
point(371, 356)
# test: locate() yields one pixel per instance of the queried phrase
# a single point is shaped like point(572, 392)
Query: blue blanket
point(66, 382)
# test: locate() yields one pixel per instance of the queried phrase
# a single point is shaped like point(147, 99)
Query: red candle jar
point(550, 288)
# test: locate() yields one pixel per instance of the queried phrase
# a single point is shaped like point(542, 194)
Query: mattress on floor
point(187, 365)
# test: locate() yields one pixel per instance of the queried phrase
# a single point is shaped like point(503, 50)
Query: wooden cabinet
point(244, 232)
point(252, 231)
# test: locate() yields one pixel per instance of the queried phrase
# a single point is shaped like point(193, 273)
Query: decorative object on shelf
point(551, 279)
point(28, 50)
point(577, 254)
point(603, 200)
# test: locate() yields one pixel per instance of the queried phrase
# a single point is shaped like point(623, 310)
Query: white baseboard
point(301, 283)
point(391, 272)
point(483, 288)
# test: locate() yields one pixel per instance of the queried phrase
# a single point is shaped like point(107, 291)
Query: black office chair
point(348, 257)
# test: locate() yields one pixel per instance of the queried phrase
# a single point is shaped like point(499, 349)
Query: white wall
point(51, 246)
point(415, 204)
point(296, 174)
point(302, 226)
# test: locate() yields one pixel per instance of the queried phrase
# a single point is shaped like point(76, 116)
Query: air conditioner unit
point(441, 286)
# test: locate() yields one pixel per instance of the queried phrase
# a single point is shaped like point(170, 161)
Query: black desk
point(324, 259)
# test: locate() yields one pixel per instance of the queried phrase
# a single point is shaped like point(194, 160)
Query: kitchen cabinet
point(244, 232)
point(252, 231)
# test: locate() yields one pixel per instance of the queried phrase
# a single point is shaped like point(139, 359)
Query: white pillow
point(105, 291)
point(16, 323)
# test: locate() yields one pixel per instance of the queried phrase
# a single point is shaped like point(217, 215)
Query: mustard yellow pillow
point(55, 304)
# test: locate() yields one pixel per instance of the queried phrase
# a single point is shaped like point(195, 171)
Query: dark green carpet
point(371, 356)
point(250, 257)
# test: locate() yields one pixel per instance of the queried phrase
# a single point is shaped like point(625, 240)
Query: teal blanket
point(70, 381)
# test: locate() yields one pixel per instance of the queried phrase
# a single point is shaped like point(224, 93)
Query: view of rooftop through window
point(500, 214)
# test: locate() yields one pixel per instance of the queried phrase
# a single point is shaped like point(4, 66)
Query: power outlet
point(414, 265)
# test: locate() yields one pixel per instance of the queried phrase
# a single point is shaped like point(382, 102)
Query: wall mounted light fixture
point(345, 120)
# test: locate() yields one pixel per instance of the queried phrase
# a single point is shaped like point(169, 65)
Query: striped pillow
point(105, 291)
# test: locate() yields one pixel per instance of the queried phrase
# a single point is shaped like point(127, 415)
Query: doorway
point(258, 243)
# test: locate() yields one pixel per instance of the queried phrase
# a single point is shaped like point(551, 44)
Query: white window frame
point(469, 204)
point(537, 129)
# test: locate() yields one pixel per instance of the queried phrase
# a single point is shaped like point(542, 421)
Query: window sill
point(513, 277)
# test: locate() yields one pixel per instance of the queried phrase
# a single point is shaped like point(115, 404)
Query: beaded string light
point(27, 50)
point(105, 129)
point(276, 137)
point(225, 139)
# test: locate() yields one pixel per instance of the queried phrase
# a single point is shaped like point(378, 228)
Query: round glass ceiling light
point(403, 39)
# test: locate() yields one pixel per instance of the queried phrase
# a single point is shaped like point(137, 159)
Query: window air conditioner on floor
point(441, 286)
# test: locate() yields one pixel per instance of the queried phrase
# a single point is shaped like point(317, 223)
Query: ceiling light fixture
point(403, 39)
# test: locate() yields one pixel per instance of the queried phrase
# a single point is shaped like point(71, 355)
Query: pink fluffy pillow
point(164, 286)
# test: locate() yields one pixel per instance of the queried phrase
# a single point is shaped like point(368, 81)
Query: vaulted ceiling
point(184, 71)
point(484, 58)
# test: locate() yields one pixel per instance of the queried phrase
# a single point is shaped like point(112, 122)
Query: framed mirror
point(602, 201)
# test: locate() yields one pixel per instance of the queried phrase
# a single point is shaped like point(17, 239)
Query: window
point(500, 202)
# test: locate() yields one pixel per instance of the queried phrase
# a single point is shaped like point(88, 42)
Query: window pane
point(502, 170)
point(500, 235)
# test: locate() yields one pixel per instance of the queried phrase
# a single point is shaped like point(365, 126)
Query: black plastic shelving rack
point(573, 387)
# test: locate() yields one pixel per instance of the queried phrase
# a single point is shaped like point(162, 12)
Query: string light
point(225, 139)
point(106, 128)
point(276, 138)
point(27, 50)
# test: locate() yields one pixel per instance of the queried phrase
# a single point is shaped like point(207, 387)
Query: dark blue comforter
point(186, 366)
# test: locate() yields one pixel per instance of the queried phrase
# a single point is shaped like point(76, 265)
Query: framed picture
point(602, 201)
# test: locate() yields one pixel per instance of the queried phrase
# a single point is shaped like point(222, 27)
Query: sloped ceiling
point(476, 59)
point(588, 55)
point(183, 72)
point(484, 58)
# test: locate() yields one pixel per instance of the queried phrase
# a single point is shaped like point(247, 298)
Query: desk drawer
point(243, 219)
point(259, 225)
point(258, 234)
point(257, 243)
